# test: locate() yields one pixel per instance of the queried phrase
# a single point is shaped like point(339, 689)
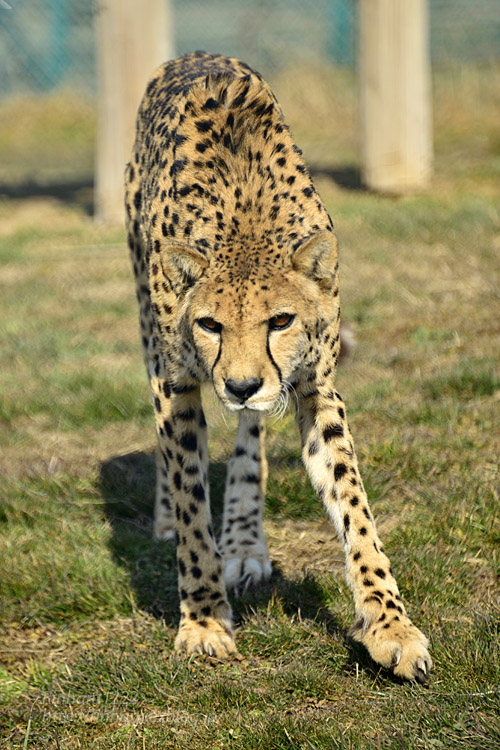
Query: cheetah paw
point(210, 636)
point(242, 572)
point(401, 647)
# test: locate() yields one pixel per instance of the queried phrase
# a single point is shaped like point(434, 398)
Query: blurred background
point(307, 49)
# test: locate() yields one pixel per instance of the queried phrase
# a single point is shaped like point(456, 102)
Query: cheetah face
point(253, 329)
point(255, 337)
point(252, 344)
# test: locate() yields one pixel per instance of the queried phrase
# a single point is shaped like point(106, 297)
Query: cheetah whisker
point(290, 388)
point(278, 412)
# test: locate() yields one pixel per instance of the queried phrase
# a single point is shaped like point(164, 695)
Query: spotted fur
point(236, 267)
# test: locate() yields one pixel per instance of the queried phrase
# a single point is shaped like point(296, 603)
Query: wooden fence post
point(133, 38)
point(395, 95)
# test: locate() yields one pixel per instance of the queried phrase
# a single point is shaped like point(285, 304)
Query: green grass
point(89, 602)
point(47, 138)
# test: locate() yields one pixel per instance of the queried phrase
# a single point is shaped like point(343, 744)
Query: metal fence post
point(132, 40)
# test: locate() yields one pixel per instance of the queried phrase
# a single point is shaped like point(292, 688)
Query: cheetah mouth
point(268, 401)
point(262, 406)
point(275, 406)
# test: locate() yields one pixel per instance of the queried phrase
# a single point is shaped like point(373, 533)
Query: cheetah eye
point(280, 322)
point(209, 324)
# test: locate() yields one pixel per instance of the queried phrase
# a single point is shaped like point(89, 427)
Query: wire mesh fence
point(48, 81)
point(45, 45)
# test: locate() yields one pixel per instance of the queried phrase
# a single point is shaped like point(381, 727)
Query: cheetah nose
point(243, 389)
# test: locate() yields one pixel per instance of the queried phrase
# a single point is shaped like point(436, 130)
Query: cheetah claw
point(403, 649)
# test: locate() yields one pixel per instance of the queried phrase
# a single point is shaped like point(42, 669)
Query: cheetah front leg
point(382, 625)
point(242, 543)
point(206, 623)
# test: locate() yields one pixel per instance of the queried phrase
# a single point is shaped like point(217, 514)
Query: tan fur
point(236, 267)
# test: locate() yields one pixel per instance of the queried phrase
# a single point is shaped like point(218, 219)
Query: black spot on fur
point(188, 441)
point(339, 471)
point(198, 492)
point(333, 431)
point(313, 448)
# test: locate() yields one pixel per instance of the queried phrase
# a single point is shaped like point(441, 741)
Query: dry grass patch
point(307, 548)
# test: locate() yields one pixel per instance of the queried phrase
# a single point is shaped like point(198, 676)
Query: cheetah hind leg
point(242, 542)
point(164, 523)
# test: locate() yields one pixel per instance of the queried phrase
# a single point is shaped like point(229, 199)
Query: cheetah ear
point(182, 266)
point(316, 258)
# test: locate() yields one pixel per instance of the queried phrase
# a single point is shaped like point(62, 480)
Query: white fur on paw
point(163, 531)
point(241, 573)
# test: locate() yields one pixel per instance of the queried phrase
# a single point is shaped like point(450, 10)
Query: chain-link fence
point(48, 72)
point(50, 43)
point(45, 45)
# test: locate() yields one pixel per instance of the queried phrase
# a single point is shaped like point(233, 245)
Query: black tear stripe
point(268, 349)
point(217, 357)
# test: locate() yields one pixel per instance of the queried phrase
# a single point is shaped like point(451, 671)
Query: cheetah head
point(253, 333)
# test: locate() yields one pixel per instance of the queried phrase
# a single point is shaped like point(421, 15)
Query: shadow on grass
point(345, 176)
point(127, 483)
point(72, 192)
point(80, 192)
point(128, 486)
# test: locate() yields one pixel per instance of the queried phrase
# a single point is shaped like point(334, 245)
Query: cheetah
point(236, 269)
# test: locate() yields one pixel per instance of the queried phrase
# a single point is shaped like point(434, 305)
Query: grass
point(49, 136)
point(89, 602)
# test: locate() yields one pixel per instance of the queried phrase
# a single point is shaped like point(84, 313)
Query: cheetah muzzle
point(236, 267)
